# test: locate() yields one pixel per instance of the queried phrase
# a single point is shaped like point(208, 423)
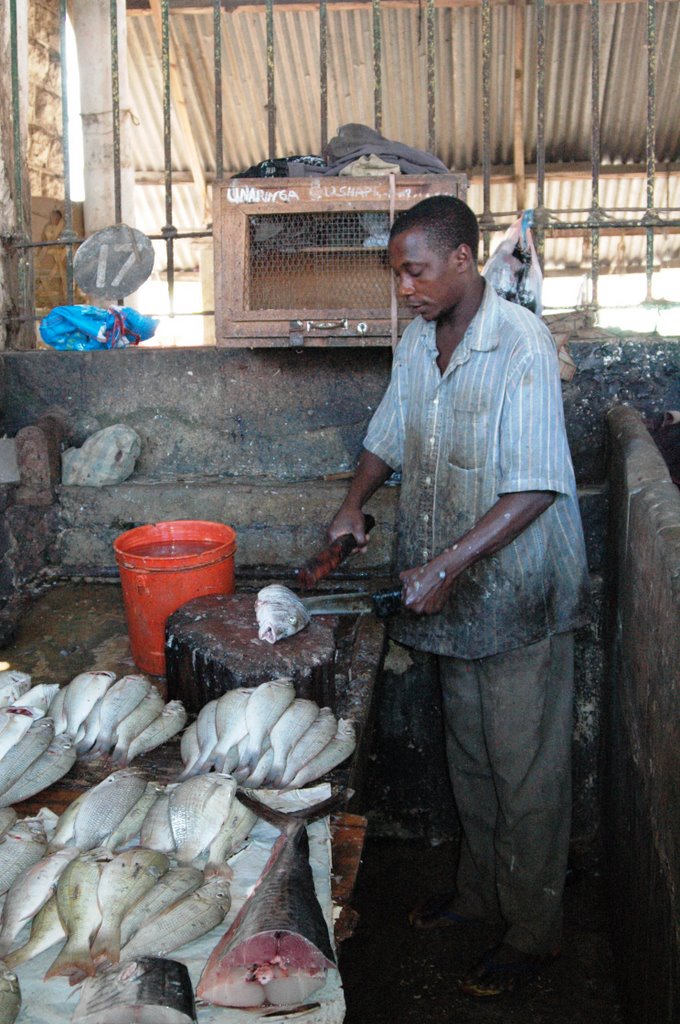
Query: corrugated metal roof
point(458, 90)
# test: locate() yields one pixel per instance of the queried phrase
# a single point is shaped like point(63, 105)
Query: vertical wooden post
point(92, 26)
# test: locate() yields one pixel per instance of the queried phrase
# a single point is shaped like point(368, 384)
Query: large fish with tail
point(278, 949)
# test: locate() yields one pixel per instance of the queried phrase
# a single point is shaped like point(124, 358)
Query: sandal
point(501, 970)
point(435, 912)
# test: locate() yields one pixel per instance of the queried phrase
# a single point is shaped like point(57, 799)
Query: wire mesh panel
point(305, 263)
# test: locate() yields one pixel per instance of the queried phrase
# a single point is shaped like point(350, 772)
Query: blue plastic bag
point(77, 328)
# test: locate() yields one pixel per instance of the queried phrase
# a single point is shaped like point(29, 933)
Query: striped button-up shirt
point(492, 424)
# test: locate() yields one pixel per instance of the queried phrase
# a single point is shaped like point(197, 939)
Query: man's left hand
point(426, 588)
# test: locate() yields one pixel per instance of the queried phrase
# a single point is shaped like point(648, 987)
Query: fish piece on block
point(150, 990)
point(212, 646)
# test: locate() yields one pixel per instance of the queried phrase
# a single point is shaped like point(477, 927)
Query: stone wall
point(250, 437)
point(642, 799)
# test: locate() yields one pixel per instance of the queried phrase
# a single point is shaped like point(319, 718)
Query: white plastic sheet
point(54, 1002)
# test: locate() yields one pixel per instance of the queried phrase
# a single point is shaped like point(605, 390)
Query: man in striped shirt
point(494, 575)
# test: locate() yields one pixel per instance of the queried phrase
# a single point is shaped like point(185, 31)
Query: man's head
point(446, 221)
point(433, 253)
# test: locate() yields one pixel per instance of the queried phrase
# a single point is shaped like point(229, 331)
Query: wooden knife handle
point(331, 557)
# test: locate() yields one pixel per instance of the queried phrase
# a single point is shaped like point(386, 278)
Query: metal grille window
point(568, 108)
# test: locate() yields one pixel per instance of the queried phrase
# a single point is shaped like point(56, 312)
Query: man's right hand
point(349, 520)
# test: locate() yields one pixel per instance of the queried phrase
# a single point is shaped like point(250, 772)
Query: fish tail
point(287, 821)
point(69, 964)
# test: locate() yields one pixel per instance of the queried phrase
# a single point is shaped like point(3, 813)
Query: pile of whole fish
point(279, 613)
point(266, 737)
point(166, 887)
point(45, 728)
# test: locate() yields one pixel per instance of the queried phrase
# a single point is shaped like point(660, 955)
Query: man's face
point(428, 283)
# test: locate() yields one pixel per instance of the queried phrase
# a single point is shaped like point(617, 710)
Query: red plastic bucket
point(164, 565)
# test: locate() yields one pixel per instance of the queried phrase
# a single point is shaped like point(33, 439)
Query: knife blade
point(382, 603)
point(326, 561)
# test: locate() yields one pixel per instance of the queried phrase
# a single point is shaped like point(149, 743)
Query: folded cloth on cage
point(356, 140)
point(369, 166)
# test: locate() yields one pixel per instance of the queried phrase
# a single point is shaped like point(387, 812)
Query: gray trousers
point(509, 721)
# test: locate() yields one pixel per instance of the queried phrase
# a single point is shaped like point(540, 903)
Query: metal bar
point(377, 67)
point(115, 111)
point(540, 211)
point(518, 106)
point(595, 146)
point(431, 80)
point(21, 233)
point(486, 219)
point(67, 235)
point(219, 121)
point(271, 96)
point(169, 232)
point(323, 73)
point(651, 218)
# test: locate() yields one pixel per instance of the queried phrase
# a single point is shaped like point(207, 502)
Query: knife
point(331, 557)
point(382, 603)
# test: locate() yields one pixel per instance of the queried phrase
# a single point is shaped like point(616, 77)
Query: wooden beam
point(138, 7)
point(518, 107)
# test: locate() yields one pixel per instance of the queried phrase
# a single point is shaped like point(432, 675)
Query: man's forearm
point(427, 587)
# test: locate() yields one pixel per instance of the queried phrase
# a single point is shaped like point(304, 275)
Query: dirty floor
point(392, 974)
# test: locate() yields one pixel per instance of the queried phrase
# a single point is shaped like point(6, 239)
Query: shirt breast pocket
point(468, 437)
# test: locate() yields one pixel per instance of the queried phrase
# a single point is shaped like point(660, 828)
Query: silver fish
point(46, 931)
point(285, 733)
point(171, 719)
point(56, 711)
point(278, 948)
point(22, 845)
point(131, 825)
point(144, 714)
point(123, 881)
point(10, 995)
point(147, 990)
point(321, 731)
point(175, 883)
point(63, 833)
point(336, 750)
point(265, 706)
point(15, 723)
point(119, 700)
point(29, 893)
point(230, 725)
point(104, 807)
point(197, 809)
point(206, 736)
point(279, 613)
point(183, 921)
point(189, 750)
point(40, 696)
point(82, 693)
point(260, 771)
point(30, 747)
point(233, 833)
point(79, 913)
point(89, 731)
point(155, 831)
point(56, 761)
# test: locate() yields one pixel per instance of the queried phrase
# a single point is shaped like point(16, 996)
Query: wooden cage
point(303, 261)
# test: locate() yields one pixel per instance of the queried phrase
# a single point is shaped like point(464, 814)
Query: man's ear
point(460, 258)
